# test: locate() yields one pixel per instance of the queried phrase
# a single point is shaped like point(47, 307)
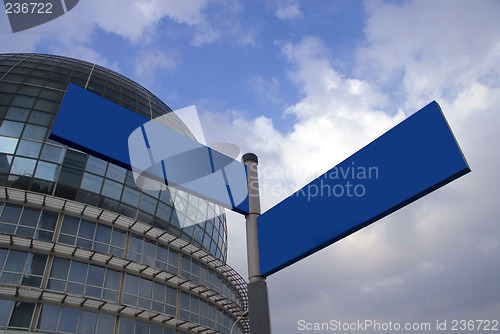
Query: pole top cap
point(249, 157)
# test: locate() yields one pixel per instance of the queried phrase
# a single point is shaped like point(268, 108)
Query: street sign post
point(258, 303)
point(409, 161)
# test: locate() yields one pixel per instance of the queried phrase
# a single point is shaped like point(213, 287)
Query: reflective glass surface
point(31, 91)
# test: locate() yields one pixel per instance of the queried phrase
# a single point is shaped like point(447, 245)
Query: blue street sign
point(414, 158)
point(97, 126)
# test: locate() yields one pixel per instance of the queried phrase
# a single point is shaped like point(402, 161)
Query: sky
point(305, 84)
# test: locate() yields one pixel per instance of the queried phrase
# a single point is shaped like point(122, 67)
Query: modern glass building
point(83, 249)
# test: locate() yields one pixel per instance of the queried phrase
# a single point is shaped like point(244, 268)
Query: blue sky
point(304, 84)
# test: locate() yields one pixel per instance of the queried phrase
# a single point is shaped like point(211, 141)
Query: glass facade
point(170, 279)
point(32, 88)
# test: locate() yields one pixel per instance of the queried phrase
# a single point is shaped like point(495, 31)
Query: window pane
point(93, 291)
point(75, 288)
point(3, 255)
point(40, 118)
point(131, 196)
point(48, 317)
point(112, 189)
point(78, 272)
point(23, 166)
point(7, 228)
point(194, 304)
point(25, 231)
point(48, 220)
point(23, 101)
point(91, 182)
point(5, 308)
point(118, 238)
point(100, 247)
point(60, 268)
point(146, 288)
point(129, 179)
point(8, 145)
point(10, 278)
point(29, 90)
point(112, 279)
point(75, 159)
point(17, 114)
point(152, 187)
point(96, 165)
point(70, 177)
point(148, 204)
point(171, 296)
point(141, 328)
point(5, 161)
point(84, 243)
point(155, 329)
point(52, 153)
point(16, 261)
point(10, 214)
point(173, 257)
point(70, 225)
point(36, 264)
point(9, 128)
point(103, 233)
point(106, 324)
point(34, 132)
point(96, 275)
point(51, 94)
point(88, 322)
point(116, 173)
point(131, 284)
point(159, 292)
point(86, 230)
point(29, 148)
point(46, 171)
point(21, 315)
point(29, 217)
point(184, 300)
point(126, 326)
point(136, 244)
point(164, 212)
point(41, 186)
point(161, 253)
point(69, 320)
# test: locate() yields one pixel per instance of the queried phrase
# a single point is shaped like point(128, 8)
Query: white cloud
point(142, 15)
point(157, 61)
point(265, 87)
point(205, 35)
point(337, 115)
point(436, 47)
point(288, 11)
point(133, 20)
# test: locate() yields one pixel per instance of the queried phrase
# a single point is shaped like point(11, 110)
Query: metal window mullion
point(12, 67)
point(57, 229)
point(38, 306)
point(90, 74)
point(149, 102)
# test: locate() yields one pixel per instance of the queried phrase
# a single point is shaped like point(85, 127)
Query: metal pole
point(258, 303)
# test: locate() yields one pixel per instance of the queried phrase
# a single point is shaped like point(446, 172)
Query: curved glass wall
point(31, 89)
point(69, 276)
point(64, 271)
